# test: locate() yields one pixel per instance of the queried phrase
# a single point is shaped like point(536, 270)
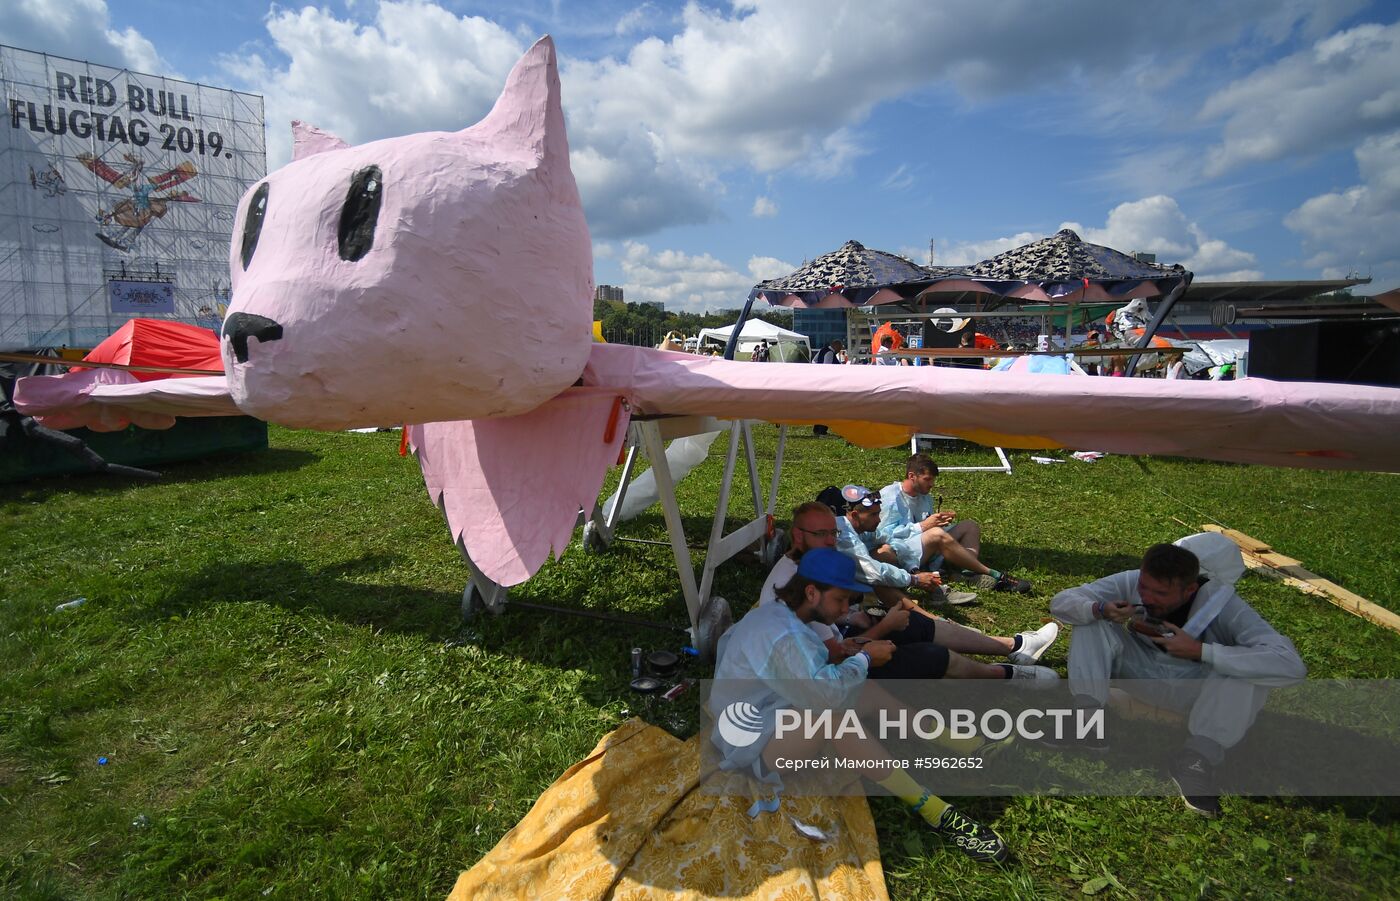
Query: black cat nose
point(239, 327)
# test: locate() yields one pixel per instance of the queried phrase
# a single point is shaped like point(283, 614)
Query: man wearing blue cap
point(930, 647)
point(770, 660)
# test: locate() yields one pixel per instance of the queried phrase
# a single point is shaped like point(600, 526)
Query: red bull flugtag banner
point(110, 178)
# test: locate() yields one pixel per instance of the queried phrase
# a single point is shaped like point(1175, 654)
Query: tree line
point(645, 326)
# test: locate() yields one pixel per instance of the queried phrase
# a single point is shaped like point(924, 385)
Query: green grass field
point(272, 661)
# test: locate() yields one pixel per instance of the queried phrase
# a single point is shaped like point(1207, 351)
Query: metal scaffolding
point(118, 193)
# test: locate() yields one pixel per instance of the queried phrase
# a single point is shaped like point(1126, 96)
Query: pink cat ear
point(308, 140)
point(529, 110)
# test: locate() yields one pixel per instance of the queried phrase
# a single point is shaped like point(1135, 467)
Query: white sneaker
point(1035, 644)
point(1043, 675)
point(959, 598)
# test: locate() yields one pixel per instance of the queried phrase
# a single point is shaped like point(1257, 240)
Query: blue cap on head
point(830, 567)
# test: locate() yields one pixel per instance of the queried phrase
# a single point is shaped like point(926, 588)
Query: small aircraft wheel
point(714, 620)
point(593, 542)
point(774, 549)
point(471, 602)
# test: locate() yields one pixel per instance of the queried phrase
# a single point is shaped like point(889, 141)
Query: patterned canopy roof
point(851, 275)
point(1062, 267)
point(1060, 264)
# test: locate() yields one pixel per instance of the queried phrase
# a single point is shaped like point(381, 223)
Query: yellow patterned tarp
point(631, 821)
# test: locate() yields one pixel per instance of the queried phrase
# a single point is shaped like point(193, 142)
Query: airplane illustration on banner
point(122, 225)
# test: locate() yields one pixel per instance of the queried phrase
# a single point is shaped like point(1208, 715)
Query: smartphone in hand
point(1143, 627)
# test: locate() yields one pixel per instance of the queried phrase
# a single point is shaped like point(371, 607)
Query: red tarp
point(159, 342)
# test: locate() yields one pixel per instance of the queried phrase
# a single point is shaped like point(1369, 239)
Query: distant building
point(820, 326)
point(608, 292)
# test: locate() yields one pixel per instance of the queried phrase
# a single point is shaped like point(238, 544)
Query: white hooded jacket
point(1236, 641)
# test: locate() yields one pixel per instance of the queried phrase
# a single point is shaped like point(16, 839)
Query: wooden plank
point(1246, 543)
point(1291, 572)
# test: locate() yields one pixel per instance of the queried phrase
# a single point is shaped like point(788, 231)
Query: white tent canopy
point(754, 331)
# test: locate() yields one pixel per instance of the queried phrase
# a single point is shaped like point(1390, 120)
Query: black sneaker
point(1008, 582)
point(1195, 779)
point(971, 837)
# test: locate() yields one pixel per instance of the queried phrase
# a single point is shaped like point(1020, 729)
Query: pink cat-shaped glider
point(446, 278)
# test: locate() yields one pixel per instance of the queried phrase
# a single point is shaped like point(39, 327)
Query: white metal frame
point(1001, 455)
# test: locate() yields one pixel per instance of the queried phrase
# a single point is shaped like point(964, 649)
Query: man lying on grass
point(929, 647)
point(771, 654)
point(1194, 645)
point(922, 538)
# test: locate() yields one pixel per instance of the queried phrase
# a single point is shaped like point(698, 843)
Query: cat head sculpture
point(432, 277)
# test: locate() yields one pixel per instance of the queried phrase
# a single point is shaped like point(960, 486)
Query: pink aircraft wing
point(511, 488)
point(1297, 424)
point(107, 400)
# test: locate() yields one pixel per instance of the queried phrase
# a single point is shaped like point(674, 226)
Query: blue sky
point(719, 144)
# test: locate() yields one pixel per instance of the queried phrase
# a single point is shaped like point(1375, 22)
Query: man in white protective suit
point(1181, 638)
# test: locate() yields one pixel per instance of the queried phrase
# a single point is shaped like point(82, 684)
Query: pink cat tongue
point(512, 488)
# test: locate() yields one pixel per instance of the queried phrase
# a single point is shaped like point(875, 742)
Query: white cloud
point(763, 268)
point(910, 252)
point(691, 282)
point(765, 86)
point(898, 180)
point(763, 208)
point(1216, 261)
point(81, 29)
point(138, 52)
point(1354, 230)
point(965, 253)
point(417, 67)
point(758, 85)
point(1157, 225)
point(1152, 225)
point(630, 186)
point(638, 19)
point(1156, 169)
point(832, 155)
point(1331, 95)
